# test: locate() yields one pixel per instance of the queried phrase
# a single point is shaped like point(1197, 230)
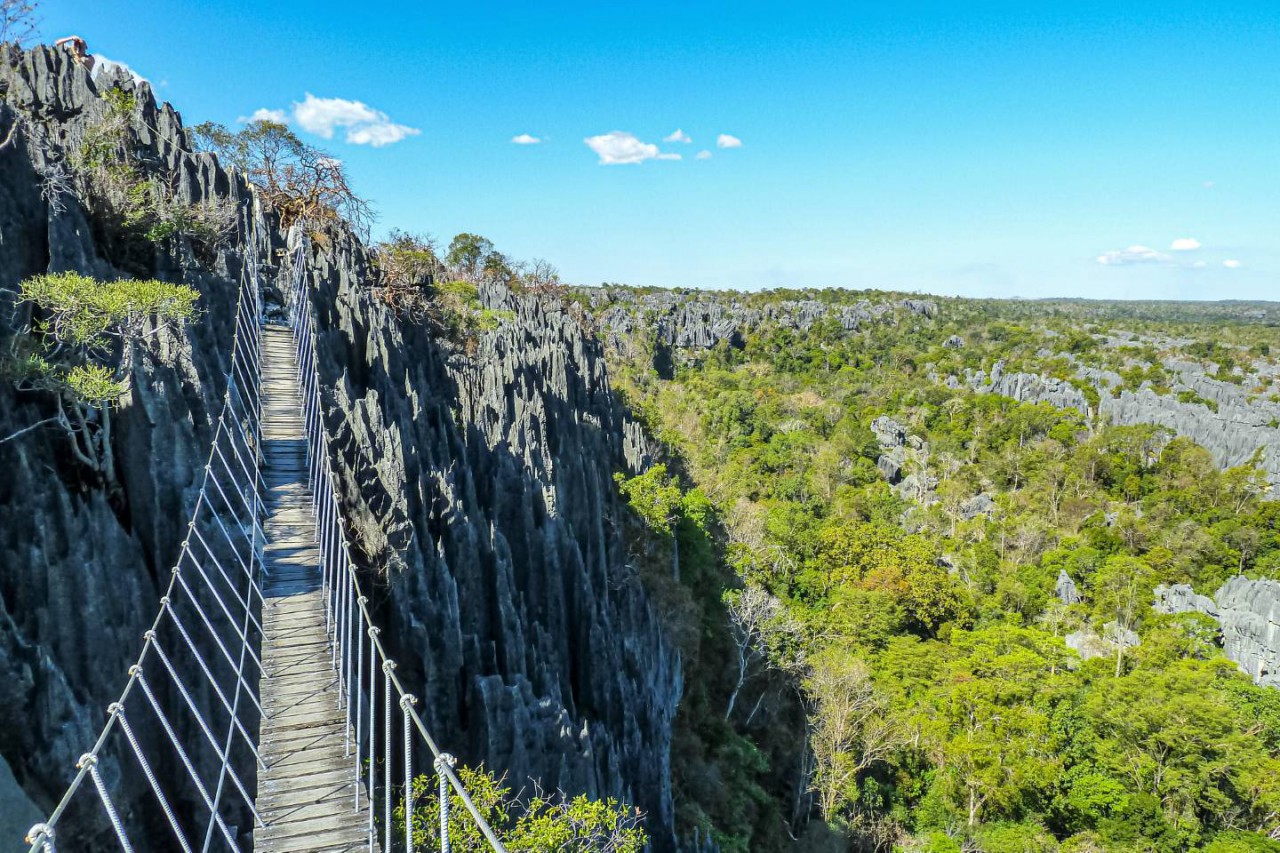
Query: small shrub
point(541, 823)
point(1192, 397)
point(408, 263)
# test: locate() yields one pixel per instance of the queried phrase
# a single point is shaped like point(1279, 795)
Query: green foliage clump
point(133, 207)
point(655, 496)
point(83, 313)
point(462, 316)
point(84, 338)
point(541, 823)
point(1190, 396)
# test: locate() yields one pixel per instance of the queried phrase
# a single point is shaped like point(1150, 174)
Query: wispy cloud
point(525, 139)
point(703, 155)
point(264, 114)
point(364, 125)
point(1232, 264)
point(678, 136)
point(1133, 255)
point(103, 65)
point(621, 148)
point(724, 140)
point(1185, 244)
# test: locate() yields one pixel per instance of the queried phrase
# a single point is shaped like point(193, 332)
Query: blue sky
point(984, 149)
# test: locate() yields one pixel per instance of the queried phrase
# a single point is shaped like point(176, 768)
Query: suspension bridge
point(263, 711)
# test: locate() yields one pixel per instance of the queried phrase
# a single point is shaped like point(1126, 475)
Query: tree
point(657, 498)
point(988, 734)
point(299, 181)
point(18, 20)
point(876, 556)
point(750, 609)
point(1122, 592)
point(86, 338)
point(468, 253)
point(851, 726)
point(541, 275)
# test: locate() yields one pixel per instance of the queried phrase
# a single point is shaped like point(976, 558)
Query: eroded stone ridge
point(1239, 428)
point(1248, 611)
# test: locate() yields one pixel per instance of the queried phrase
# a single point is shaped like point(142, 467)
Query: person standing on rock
point(79, 51)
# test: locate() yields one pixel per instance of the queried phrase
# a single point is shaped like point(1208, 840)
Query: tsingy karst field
point(791, 570)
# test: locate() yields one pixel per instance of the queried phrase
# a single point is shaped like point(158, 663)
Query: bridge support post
point(444, 761)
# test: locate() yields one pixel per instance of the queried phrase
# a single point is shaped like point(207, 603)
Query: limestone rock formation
point(481, 490)
point(980, 504)
point(1248, 612)
point(1089, 644)
point(1066, 590)
point(1239, 428)
point(683, 320)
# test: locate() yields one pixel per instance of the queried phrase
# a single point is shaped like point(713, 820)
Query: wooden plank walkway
point(307, 794)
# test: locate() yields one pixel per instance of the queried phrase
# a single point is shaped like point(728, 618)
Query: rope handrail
point(240, 388)
point(347, 605)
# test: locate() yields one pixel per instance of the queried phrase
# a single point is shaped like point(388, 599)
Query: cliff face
point(79, 570)
point(481, 488)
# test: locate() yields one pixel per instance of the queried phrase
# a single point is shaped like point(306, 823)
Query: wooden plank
point(307, 792)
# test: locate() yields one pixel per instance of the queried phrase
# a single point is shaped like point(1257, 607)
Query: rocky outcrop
point(1066, 590)
point(480, 487)
point(694, 320)
point(1248, 612)
point(892, 437)
point(1028, 388)
point(979, 504)
point(1181, 598)
point(1089, 644)
point(1232, 434)
point(1239, 428)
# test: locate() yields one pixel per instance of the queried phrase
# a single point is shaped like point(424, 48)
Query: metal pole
point(406, 702)
point(445, 760)
point(387, 667)
point(373, 699)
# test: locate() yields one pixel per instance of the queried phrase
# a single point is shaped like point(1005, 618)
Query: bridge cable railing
point(197, 674)
point(358, 655)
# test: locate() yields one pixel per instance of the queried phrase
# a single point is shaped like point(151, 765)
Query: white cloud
point(364, 124)
point(103, 65)
point(1232, 264)
point(1185, 244)
point(264, 114)
point(525, 139)
point(619, 148)
point(678, 136)
point(1133, 255)
point(724, 140)
point(704, 155)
